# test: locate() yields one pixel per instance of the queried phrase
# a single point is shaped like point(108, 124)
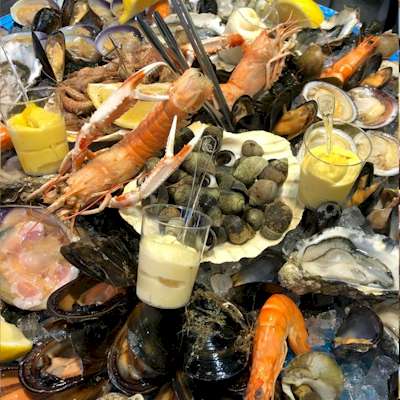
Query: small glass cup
point(37, 130)
point(169, 254)
point(330, 177)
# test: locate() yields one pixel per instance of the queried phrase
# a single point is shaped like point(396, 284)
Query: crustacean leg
point(160, 173)
point(116, 105)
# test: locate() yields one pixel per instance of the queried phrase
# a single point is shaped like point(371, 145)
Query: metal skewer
point(202, 57)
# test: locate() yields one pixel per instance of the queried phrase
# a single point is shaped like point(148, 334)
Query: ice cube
point(31, 327)
point(379, 373)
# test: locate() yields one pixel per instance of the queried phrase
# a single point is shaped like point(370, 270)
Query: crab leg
point(116, 105)
point(161, 172)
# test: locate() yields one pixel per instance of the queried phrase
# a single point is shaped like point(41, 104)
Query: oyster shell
point(341, 260)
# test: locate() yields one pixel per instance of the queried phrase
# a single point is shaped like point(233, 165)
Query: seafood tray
point(288, 302)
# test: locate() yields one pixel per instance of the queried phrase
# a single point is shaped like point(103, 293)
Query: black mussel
point(144, 352)
point(243, 107)
point(255, 218)
point(183, 137)
point(370, 66)
point(199, 162)
point(216, 338)
point(231, 202)
point(106, 259)
point(296, 121)
point(276, 170)
point(361, 331)
point(67, 10)
point(249, 168)
point(378, 79)
point(263, 268)
point(47, 20)
point(311, 61)
point(328, 214)
point(85, 298)
point(207, 6)
point(41, 55)
point(225, 157)
point(366, 191)
point(79, 353)
point(252, 148)
point(278, 217)
point(55, 52)
point(263, 191)
point(238, 231)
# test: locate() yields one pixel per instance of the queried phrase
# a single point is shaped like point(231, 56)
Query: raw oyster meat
point(343, 261)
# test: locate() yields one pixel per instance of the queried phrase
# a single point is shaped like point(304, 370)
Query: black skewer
point(202, 57)
point(155, 41)
point(170, 40)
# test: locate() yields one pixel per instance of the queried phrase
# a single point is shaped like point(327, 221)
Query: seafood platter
point(211, 108)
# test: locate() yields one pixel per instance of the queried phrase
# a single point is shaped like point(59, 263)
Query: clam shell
point(358, 94)
point(380, 151)
point(340, 97)
point(75, 48)
point(274, 147)
point(31, 7)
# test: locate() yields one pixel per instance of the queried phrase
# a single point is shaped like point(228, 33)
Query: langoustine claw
point(279, 319)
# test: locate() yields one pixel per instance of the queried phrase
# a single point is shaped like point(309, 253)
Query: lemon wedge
point(134, 7)
point(13, 343)
point(99, 92)
point(306, 12)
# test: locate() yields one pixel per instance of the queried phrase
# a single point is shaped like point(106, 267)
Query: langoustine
point(279, 319)
point(95, 181)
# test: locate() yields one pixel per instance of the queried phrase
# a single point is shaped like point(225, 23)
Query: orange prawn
point(346, 66)
point(279, 319)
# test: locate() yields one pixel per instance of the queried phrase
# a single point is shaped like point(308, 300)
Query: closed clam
point(276, 170)
point(278, 217)
point(252, 148)
point(249, 168)
point(255, 218)
point(238, 231)
point(231, 202)
point(262, 191)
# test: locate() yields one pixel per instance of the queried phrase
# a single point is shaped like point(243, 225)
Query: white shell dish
point(275, 147)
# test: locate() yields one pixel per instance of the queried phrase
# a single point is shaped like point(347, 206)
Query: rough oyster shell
point(341, 260)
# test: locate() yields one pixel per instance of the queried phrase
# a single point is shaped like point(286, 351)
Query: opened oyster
point(341, 260)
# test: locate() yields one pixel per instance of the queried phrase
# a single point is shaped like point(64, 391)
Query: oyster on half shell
point(346, 261)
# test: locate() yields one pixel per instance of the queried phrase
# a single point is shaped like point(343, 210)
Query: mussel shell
point(370, 66)
point(361, 330)
point(102, 9)
point(42, 56)
point(379, 78)
point(104, 258)
point(47, 20)
point(211, 349)
point(31, 7)
point(389, 102)
point(116, 33)
point(149, 339)
point(55, 52)
point(64, 302)
point(89, 340)
point(242, 107)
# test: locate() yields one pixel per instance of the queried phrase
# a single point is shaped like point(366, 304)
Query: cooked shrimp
point(279, 319)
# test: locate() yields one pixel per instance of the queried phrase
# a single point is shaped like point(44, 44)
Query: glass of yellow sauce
point(171, 246)
point(37, 129)
point(330, 175)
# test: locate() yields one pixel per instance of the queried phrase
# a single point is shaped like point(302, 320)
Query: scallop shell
point(274, 147)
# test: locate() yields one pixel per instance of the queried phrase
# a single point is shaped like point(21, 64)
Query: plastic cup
point(330, 178)
point(37, 130)
point(171, 246)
